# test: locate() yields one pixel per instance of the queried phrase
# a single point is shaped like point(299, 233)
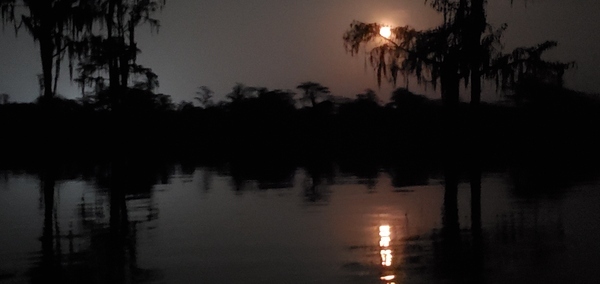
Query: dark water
point(297, 225)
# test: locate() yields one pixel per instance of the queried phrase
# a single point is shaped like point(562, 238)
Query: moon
point(385, 31)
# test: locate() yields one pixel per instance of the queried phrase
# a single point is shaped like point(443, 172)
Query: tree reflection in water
point(449, 240)
point(318, 176)
point(100, 249)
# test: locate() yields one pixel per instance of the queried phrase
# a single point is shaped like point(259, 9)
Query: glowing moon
point(385, 31)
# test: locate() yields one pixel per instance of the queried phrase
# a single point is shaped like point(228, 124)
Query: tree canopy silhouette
point(204, 97)
point(75, 27)
point(240, 92)
point(463, 48)
point(114, 51)
point(56, 25)
point(312, 91)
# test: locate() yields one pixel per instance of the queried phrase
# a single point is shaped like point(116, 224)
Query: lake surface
point(282, 224)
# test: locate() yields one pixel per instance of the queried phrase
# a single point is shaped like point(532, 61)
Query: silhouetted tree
point(410, 51)
point(403, 98)
point(239, 93)
point(4, 99)
point(184, 106)
point(149, 81)
point(312, 92)
point(115, 52)
point(68, 26)
point(369, 96)
point(464, 47)
point(204, 97)
point(55, 24)
point(276, 100)
point(364, 108)
point(475, 28)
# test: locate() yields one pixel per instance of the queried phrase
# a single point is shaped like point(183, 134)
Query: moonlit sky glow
point(280, 43)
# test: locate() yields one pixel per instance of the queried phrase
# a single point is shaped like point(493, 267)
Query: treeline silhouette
point(541, 121)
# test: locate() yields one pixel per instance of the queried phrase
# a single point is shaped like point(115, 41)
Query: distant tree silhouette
point(403, 98)
point(185, 106)
point(4, 99)
point(239, 93)
point(312, 92)
point(149, 81)
point(204, 97)
point(276, 100)
point(368, 96)
point(365, 107)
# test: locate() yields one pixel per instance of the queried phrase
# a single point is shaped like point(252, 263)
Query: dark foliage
point(545, 122)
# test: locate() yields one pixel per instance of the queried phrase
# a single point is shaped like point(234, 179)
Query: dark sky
point(280, 43)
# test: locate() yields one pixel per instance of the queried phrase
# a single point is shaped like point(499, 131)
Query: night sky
point(280, 43)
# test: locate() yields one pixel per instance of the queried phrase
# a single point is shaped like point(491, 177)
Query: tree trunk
point(450, 81)
point(313, 100)
point(47, 54)
point(43, 30)
point(476, 27)
point(123, 63)
point(123, 53)
point(113, 71)
point(475, 87)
